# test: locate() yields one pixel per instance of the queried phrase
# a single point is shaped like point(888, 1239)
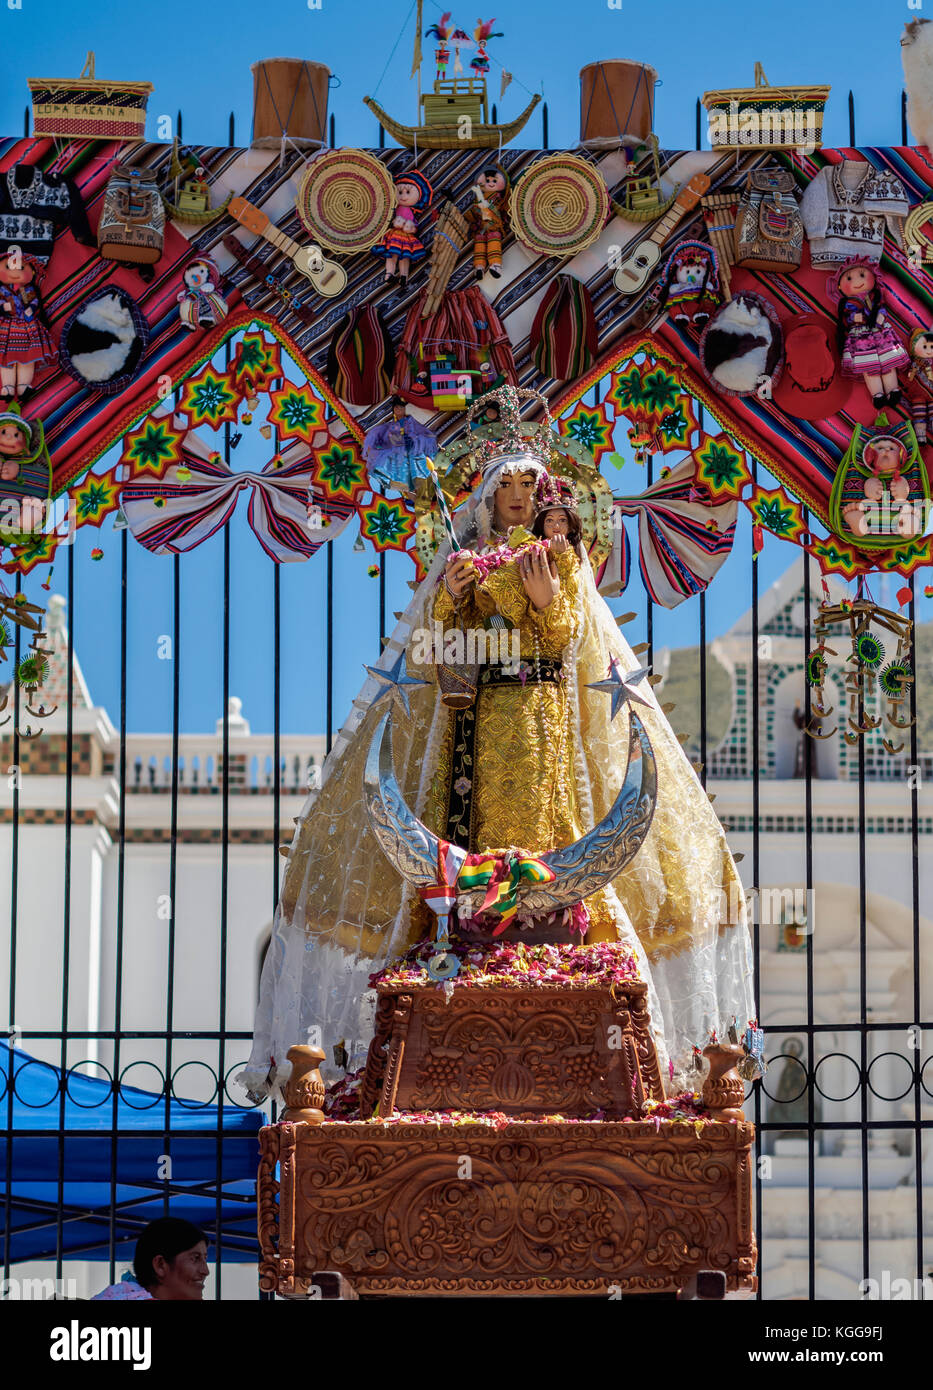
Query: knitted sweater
point(34, 206)
point(845, 209)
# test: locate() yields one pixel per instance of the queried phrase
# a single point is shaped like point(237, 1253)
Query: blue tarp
point(213, 1150)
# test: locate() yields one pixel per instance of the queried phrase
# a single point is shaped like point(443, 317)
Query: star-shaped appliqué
point(395, 683)
point(622, 688)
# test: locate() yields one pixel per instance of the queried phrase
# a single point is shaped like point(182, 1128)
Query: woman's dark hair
point(168, 1237)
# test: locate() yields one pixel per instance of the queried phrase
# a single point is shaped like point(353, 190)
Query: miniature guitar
point(327, 277)
point(632, 275)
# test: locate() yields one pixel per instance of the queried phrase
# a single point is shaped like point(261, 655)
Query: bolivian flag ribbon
point(501, 875)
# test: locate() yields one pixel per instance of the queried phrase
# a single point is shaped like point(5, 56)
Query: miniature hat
point(12, 416)
point(811, 386)
point(418, 179)
point(915, 337)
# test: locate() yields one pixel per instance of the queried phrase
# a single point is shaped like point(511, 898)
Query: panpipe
point(719, 214)
point(450, 237)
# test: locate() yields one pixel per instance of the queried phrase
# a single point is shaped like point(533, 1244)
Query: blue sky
point(198, 59)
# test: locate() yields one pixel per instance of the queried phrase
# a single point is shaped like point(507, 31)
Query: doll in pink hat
point(868, 344)
point(400, 246)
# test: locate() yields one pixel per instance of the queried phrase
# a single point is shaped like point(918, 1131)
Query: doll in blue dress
point(396, 452)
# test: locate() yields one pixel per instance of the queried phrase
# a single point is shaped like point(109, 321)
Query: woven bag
point(132, 220)
point(768, 226)
point(563, 335)
point(361, 357)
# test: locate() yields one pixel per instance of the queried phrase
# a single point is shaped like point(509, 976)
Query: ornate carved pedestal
point(527, 1052)
point(543, 1208)
point(546, 1206)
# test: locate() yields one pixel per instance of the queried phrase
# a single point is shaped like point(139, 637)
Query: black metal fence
point(104, 1205)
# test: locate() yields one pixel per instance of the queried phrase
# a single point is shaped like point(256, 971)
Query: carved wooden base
point(543, 1208)
point(527, 1052)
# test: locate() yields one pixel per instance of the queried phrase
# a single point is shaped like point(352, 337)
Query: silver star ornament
point(395, 683)
point(622, 688)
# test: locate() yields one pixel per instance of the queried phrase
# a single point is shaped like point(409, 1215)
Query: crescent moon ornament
point(579, 869)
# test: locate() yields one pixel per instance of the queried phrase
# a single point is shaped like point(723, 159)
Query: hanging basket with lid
point(765, 117)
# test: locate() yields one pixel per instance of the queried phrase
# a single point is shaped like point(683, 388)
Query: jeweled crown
point(515, 435)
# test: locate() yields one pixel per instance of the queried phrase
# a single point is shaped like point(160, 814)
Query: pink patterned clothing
point(127, 1289)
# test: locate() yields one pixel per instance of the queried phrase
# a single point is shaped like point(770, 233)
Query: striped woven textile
point(81, 424)
point(169, 516)
point(678, 551)
point(564, 337)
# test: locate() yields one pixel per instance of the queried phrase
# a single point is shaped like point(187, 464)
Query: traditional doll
point(868, 344)
point(15, 442)
point(690, 284)
point(24, 339)
point(400, 246)
point(200, 304)
point(482, 34)
point(24, 468)
point(920, 383)
point(398, 451)
point(556, 519)
point(487, 220)
point(441, 32)
point(887, 493)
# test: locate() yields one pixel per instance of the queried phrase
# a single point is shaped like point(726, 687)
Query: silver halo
point(579, 870)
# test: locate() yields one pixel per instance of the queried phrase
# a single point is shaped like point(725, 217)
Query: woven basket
point(559, 207)
point(346, 200)
point(85, 108)
point(458, 685)
point(765, 117)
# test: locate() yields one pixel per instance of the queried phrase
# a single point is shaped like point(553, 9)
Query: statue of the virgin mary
point(533, 761)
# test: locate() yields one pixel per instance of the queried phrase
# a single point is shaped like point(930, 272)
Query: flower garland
point(516, 965)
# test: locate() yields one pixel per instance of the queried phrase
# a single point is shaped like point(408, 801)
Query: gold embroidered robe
point(523, 792)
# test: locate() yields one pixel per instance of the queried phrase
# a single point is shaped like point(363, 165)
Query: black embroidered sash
point(460, 790)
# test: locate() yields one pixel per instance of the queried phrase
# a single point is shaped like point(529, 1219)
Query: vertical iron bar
point(172, 862)
point(329, 642)
point(903, 117)
point(382, 137)
point(121, 902)
point(649, 610)
point(14, 935)
point(26, 120)
point(66, 923)
point(231, 129)
point(752, 704)
point(382, 601)
point(699, 123)
point(544, 143)
point(703, 671)
point(333, 132)
point(863, 983)
point(808, 855)
point(178, 122)
point(224, 869)
point(915, 935)
point(851, 120)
